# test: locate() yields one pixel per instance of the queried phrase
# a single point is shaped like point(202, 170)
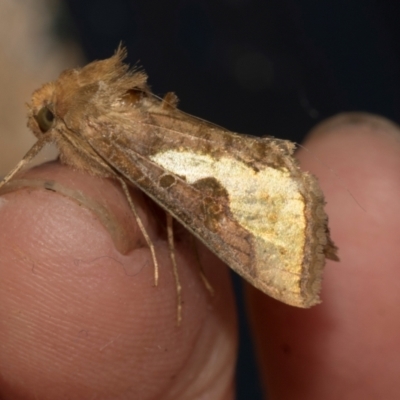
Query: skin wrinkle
point(106, 218)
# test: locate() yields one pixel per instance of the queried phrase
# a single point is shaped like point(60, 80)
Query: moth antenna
point(32, 152)
point(203, 277)
point(142, 228)
point(171, 244)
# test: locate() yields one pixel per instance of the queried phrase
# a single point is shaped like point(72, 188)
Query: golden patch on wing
point(267, 203)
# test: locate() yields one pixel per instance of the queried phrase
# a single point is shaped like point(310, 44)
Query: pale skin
point(80, 320)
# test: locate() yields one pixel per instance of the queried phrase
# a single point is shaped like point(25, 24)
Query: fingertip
point(78, 292)
point(69, 296)
point(348, 150)
point(356, 159)
point(323, 351)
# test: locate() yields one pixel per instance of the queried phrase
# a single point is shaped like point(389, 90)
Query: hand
point(80, 317)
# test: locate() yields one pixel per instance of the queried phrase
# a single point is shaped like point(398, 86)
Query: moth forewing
point(267, 223)
point(244, 197)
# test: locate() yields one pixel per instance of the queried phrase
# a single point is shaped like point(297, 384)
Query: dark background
point(254, 66)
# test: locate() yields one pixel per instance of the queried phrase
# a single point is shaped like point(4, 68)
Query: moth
point(244, 197)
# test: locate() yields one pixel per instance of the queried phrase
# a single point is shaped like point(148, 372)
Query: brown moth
point(244, 197)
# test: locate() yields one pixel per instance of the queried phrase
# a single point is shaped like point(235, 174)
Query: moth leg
point(27, 157)
point(142, 229)
point(170, 232)
point(203, 277)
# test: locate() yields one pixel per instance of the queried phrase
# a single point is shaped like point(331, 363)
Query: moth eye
point(132, 96)
point(45, 119)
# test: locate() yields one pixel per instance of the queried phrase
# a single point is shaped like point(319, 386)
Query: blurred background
point(254, 66)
